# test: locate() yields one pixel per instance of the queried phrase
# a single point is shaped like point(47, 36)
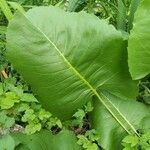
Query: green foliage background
point(20, 111)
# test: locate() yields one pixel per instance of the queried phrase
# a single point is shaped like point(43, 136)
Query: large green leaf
point(139, 42)
point(65, 57)
point(45, 140)
point(7, 143)
point(111, 132)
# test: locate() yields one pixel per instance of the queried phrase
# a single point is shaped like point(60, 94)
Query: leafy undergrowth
point(144, 91)
point(22, 113)
point(99, 107)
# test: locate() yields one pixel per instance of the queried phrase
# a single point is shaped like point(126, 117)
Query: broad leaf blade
point(139, 42)
point(65, 67)
point(44, 140)
point(112, 133)
point(7, 143)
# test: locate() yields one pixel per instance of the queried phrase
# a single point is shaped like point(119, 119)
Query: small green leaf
point(29, 116)
point(82, 140)
point(5, 121)
point(9, 122)
point(17, 90)
point(8, 100)
point(86, 143)
point(32, 128)
point(92, 146)
point(133, 140)
point(88, 107)
point(92, 135)
point(53, 122)
point(79, 115)
point(58, 123)
point(26, 97)
point(36, 107)
point(22, 107)
point(43, 114)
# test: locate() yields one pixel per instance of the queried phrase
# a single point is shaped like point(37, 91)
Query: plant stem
point(4, 74)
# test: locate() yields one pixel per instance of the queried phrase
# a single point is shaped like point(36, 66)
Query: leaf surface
point(7, 143)
point(44, 140)
point(139, 42)
point(66, 57)
point(112, 133)
point(65, 61)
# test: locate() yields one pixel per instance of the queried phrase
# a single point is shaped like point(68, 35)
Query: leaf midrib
point(133, 130)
